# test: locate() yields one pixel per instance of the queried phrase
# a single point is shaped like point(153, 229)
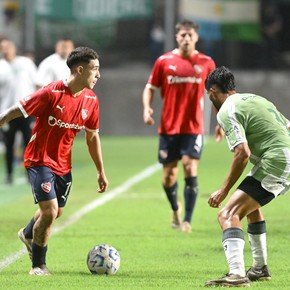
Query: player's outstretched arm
point(219, 133)
point(10, 114)
point(95, 150)
point(241, 156)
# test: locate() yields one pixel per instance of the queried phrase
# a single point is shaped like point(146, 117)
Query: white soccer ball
point(103, 259)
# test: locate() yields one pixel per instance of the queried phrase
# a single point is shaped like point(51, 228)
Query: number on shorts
point(68, 186)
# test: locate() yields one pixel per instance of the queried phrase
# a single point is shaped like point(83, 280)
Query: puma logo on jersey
point(173, 67)
point(60, 108)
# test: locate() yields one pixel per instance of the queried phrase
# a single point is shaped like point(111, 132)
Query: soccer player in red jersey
point(180, 74)
point(61, 109)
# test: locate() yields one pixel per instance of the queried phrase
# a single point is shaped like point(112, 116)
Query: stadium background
point(137, 221)
point(120, 30)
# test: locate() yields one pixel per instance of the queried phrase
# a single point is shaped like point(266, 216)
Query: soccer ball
point(103, 259)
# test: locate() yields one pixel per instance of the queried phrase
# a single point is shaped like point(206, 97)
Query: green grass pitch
point(137, 224)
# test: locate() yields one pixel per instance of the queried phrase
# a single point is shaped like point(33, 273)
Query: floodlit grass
point(137, 224)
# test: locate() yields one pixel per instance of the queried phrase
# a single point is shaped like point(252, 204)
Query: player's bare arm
point(219, 133)
point(95, 150)
point(241, 156)
point(9, 115)
point(148, 95)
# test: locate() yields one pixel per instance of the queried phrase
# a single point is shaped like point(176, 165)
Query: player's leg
point(62, 186)
point(42, 181)
point(26, 234)
point(190, 191)
point(170, 186)
point(238, 206)
point(168, 156)
point(257, 225)
point(190, 150)
point(258, 242)
point(28, 230)
point(41, 233)
point(48, 211)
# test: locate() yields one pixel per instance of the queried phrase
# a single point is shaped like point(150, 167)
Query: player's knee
point(169, 180)
point(227, 217)
point(224, 216)
point(49, 215)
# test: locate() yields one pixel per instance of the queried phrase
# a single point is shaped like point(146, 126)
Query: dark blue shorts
point(173, 147)
point(46, 185)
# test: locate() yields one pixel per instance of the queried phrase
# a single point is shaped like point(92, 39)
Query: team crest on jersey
point(84, 113)
point(46, 186)
point(172, 67)
point(197, 68)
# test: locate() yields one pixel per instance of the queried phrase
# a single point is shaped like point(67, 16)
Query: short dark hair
point(223, 78)
point(188, 24)
point(81, 54)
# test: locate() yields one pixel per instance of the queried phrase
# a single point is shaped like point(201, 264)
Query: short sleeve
point(155, 78)
point(35, 104)
point(211, 66)
point(232, 126)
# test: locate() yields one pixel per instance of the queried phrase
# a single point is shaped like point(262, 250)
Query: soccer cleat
point(259, 274)
point(26, 242)
point(229, 280)
point(186, 227)
point(176, 217)
point(39, 271)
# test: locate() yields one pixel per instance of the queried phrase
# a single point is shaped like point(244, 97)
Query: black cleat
point(259, 274)
point(229, 280)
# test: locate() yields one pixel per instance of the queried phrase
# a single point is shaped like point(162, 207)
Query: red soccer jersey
point(59, 117)
point(182, 90)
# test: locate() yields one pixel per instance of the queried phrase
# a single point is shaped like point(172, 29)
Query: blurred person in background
point(257, 132)
point(17, 79)
point(62, 109)
point(54, 67)
point(180, 74)
point(271, 26)
point(30, 54)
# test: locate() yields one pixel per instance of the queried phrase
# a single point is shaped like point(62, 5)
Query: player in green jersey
point(255, 130)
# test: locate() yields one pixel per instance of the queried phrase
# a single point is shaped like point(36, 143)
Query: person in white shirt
point(17, 79)
point(54, 68)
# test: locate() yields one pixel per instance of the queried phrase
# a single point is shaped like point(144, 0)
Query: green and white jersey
point(253, 119)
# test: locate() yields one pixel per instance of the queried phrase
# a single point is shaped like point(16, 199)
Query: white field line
point(89, 207)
